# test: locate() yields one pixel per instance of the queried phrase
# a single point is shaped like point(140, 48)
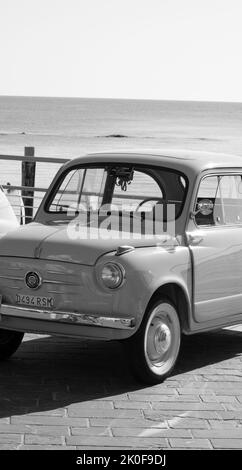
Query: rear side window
point(219, 201)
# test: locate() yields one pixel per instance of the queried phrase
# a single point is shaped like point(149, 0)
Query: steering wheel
point(158, 199)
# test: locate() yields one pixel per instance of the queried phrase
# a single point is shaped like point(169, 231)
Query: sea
point(71, 127)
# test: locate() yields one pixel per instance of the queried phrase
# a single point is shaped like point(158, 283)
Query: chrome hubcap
point(162, 338)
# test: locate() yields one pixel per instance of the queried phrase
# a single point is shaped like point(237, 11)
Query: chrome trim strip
point(15, 268)
point(12, 287)
point(68, 317)
point(44, 281)
point(13, 278)
point(65, 283)
point(60, 292)
point(49, 271)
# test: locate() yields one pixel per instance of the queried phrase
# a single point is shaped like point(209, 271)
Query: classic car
point(141, 247)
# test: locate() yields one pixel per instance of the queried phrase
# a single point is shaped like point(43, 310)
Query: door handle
point(195, 239)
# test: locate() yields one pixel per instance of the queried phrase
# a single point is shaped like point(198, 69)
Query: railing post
point(28, 179)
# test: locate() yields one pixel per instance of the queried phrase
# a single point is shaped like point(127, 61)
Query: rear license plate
point(34, 301)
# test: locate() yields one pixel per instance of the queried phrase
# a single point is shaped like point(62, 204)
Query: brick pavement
point(65, 394)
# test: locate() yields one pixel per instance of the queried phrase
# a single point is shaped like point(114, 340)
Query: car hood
point(52, 242)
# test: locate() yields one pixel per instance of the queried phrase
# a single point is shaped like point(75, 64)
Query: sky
point(141, 49)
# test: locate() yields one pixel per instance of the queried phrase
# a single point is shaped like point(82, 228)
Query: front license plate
point(34, 301)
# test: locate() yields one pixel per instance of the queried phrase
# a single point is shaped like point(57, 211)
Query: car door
point(215, 241)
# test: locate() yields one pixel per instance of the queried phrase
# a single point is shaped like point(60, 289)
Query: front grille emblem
point(33, 280)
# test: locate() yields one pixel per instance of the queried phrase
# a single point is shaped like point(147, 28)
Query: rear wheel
point(155, 346)
point(9, 342)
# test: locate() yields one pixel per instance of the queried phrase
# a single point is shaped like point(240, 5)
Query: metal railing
point(26, 197)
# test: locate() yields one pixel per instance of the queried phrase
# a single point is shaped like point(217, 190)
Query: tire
point(156, 345)
point(9, 343)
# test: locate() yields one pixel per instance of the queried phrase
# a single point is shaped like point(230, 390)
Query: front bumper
point(67, 317)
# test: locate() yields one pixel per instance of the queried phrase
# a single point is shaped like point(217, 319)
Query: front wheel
point(9, 343)
point(156, 344)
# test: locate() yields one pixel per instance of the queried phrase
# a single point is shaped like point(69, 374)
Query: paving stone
point(222, 424)
point(92, 431)
point(227, 443)
point(9, 446)
point(164, 398)
point(10, 438)
point(188, 423)
point(217, 391)
point(46, 447)
point(74, 411)
point(33, 439)
point(218, 433)
point(131, 442)
point(97, 447)
point(33, 429)
point(209, 398)
point(225, 372)
point(190, 443)
point(223, 378)
point(59, 412)
point(233, 406)
point(226, 399)
point(157, 389)
point(150, 432)
point(204, 387)
point(186, 406)
point(225, 415)
point(139, 423)
point(132, 405)
point(48, 421)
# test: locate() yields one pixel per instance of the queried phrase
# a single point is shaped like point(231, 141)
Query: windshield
point(132, 190)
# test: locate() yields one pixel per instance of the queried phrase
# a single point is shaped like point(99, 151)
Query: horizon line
point(122, 99)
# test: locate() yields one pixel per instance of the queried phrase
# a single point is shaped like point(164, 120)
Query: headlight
point(112, 275)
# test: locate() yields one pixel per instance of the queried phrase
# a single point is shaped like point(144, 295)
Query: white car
point(8, 219)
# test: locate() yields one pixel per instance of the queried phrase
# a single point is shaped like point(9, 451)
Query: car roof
point(179, 159)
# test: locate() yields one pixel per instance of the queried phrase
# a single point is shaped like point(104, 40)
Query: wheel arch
point(178, 295)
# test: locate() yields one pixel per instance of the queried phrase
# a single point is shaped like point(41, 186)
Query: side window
point(231, 193)
point(208, 205)
point(219, 201)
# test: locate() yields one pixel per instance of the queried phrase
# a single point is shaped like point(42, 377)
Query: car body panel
point(217, 275)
